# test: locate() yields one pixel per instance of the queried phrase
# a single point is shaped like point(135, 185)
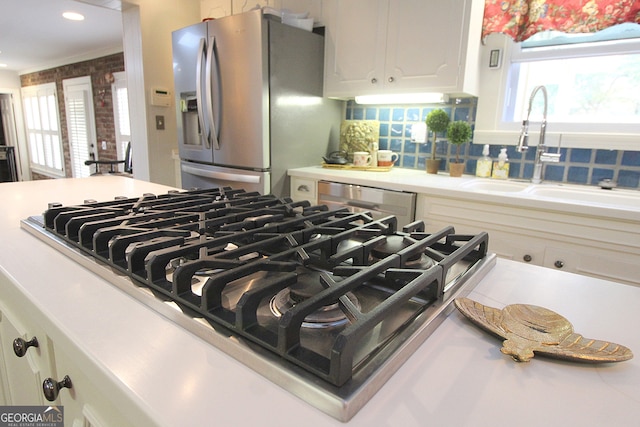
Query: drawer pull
point(527, 258)
point(304, 188)
point(558, 264)
point(21, 346)
point(51, 387)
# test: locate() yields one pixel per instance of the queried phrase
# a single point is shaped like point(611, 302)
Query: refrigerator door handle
point(201, 56)
point(213, 135)
point(222, 176)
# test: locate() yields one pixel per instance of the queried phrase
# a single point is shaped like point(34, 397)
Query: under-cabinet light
point(299, 101)
point(403, 98)
point(73, 16)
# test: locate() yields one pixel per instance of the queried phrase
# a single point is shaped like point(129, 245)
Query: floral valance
point(520, 19)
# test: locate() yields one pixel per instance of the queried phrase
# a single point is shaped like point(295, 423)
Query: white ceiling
point(35, 36)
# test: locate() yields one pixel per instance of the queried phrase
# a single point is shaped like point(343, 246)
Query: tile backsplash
point(576, 166)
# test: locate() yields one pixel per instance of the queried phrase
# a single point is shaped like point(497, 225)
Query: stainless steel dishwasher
point(378, 201)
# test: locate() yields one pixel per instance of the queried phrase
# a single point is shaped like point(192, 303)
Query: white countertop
point(458, 377)
point(579, 199)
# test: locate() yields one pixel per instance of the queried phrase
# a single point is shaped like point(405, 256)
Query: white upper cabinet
point(401, 46)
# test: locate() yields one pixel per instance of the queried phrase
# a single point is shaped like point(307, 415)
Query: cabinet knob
point(21, 346)
point(558, 264)
point(374, 80)
point(527, 258)
point(391, 79)
point(51, 387)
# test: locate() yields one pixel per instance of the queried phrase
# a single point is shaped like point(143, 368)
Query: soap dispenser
point(483, 166)
point(501, 167)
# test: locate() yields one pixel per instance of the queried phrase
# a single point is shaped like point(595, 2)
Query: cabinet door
point(401, 46)
point(424, 45)
point(23, 375)
point(303, 189)
point(516, 247)
point(355, 43)
point(595, 262)
point(87, 403)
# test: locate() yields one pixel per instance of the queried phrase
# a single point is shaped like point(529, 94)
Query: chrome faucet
point(542, 156)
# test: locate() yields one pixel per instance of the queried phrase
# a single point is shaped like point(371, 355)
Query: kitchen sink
point(558, 192)
point(497, 186)
point(621, 198)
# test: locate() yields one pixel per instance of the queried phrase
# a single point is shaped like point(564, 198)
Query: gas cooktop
point(327, 304)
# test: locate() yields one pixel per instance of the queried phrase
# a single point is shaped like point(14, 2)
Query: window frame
point(120, 114)
point(496, 88)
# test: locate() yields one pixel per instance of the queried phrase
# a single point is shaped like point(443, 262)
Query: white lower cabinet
point(22, 370)
point(86, 403)
point(90, 400)
point(591, 245)
point(22, 376)
point(304, 189)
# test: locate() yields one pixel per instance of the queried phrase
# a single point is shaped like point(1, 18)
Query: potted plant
point(437, 121)
point(459, 132)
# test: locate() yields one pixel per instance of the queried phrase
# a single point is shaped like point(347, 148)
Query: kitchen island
point(132, 366)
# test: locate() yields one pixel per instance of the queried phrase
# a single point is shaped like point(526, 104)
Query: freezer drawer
point(196, 175)
point(378, 201)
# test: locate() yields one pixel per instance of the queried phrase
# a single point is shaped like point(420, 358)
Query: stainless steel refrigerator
point(249, 102)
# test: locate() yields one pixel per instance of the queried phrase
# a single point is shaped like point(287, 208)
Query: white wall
point(9, 80)
point(147, 27)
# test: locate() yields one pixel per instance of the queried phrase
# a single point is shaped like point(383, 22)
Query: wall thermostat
point(160, 97)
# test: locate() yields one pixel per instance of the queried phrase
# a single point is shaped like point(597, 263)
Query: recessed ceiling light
point(3, 65)
point(73, 16)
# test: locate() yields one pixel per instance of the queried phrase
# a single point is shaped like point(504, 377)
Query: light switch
point(159, 122)
point(104, 145)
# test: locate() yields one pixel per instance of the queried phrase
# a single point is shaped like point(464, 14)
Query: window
point(593, 88)
point(43, 129)
point(583, 90)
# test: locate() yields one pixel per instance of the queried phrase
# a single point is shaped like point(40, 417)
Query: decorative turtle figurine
point(529, 328)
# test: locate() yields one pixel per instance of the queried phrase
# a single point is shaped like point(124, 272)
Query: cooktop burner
point(325, 303)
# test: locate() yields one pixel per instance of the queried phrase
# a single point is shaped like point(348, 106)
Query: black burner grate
point(224, 255)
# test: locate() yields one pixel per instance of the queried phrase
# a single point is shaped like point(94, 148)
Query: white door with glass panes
point(78, 100)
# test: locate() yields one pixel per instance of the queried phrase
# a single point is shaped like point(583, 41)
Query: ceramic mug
point(361, 158)
point(387, 157)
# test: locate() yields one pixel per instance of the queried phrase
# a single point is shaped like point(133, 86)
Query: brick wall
point(102, 104)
